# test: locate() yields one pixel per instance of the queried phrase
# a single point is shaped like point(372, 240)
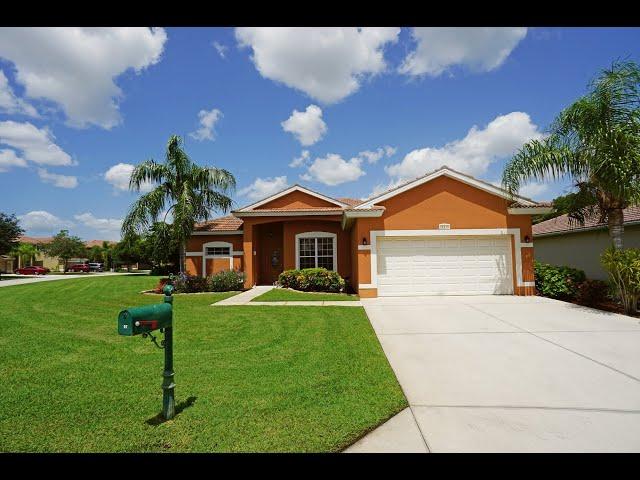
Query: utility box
point(139, 320)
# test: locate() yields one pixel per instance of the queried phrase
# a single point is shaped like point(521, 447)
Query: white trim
point(364, 247)
point(366, 285)
point(220, 232)
point(317, 235)
point(237, 253)
point(526, 245)
point(528, 284)
point(284, 213)
point(374, 234)
point(364, 213)
point(193, 254)
point(487, 187)
point(205, 257)
point(291, 189)
point(529, 210)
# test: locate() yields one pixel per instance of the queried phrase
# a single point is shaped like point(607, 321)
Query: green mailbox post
point(143, 321)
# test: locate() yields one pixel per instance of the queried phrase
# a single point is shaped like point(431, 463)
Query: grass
point(286, 295)
point(293, 379)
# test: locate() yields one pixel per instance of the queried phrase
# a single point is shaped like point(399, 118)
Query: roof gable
point(321, 201)
point(446, 171)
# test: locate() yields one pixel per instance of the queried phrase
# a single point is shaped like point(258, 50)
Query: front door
point(271, 262)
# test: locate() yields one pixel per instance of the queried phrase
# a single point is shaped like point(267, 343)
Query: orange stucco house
point(444, 233)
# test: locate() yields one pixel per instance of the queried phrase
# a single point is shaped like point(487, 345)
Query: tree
point(94, 253)
point(561, 206)
point(9, 232)
point(595, 142)
point(65, 247)
point(159, 246)
point(128, 251)
point(186, 190)
point(26, 252)
point(107, 254)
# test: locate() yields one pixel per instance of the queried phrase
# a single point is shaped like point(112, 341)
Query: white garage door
point(444, 266)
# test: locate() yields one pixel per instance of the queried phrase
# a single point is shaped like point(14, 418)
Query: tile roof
point(98, 243)
point(352, 202)
point(219, 224)
point(34, 240)
point(562, 224)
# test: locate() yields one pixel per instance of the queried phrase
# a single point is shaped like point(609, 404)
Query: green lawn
point(248, 378)
point(286, 295)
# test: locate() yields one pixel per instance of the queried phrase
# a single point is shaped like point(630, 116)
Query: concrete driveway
point(506, 373)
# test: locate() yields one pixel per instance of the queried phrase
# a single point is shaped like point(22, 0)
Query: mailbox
point(139, 320)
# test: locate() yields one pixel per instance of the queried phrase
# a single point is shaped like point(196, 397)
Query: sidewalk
point(245, 298)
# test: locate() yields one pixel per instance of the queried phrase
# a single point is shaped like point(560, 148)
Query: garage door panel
point(444, 266)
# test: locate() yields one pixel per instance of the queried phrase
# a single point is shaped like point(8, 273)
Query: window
point(316, 251)
point(219, 251)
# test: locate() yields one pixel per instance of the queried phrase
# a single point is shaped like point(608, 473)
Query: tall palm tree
point(596, 143)
point(186, 190)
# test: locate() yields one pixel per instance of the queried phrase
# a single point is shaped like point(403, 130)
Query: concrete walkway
point(245, 298)
point(508, 374)
point(27, 279)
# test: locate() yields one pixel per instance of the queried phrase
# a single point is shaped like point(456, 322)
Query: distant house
point(44, 260)
point(561, 242)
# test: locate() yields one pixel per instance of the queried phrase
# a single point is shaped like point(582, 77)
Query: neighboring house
point(561, 242)
point(6, 264)
point(443, 233)
point(44, 260)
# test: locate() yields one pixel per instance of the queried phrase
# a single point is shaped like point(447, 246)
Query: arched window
point(316, 250)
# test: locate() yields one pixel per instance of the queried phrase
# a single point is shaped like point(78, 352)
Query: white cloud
point(109, 227)
point(208, 120)
point(374, 156)
point(301, 160)
point(264, 187)
point(221, 49)
point(119, 176)
point(334, 170)
point(481, 49)
point(534, 190)
point(11, 104)
point(328, 64)
point(473, 154)
point(62, 181)
point(8, 159)
point(381, 188)
point(42, 221)
point(37, 145)
point(308, 126)
point(76, 67)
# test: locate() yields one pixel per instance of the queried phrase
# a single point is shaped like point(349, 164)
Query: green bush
point(189, 283)
point(312, 280)
point(592, 293)
point(623, 267)
point(557, 281)
point(163, 270)
point(226, 281)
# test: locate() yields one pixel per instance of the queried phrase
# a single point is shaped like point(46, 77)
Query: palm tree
point(187, 191)
point(26, 253)
point(596, 143)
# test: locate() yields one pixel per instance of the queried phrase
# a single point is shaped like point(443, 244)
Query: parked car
point(33, 270)
point(79, 267)
point(96, 267)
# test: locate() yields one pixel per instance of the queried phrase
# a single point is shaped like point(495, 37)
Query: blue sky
point(374, 107)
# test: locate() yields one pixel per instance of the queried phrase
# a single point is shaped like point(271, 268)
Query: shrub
point(312, 280)
point(592, 292)
point(184, 283)
point(162, 270)
point(161, 283)
point(226, 281)
point(557, 281)
point(623, 267)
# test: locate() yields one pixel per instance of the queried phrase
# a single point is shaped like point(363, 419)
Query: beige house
point(559, 242)
point(43, 260)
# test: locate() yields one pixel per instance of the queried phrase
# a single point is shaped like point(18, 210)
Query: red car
point(79, 267)
point(32, 270)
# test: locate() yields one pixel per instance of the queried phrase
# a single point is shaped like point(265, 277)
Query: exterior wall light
point(364, 240)
point(527, 239)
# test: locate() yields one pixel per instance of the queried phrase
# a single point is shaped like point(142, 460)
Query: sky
point(347, 112)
